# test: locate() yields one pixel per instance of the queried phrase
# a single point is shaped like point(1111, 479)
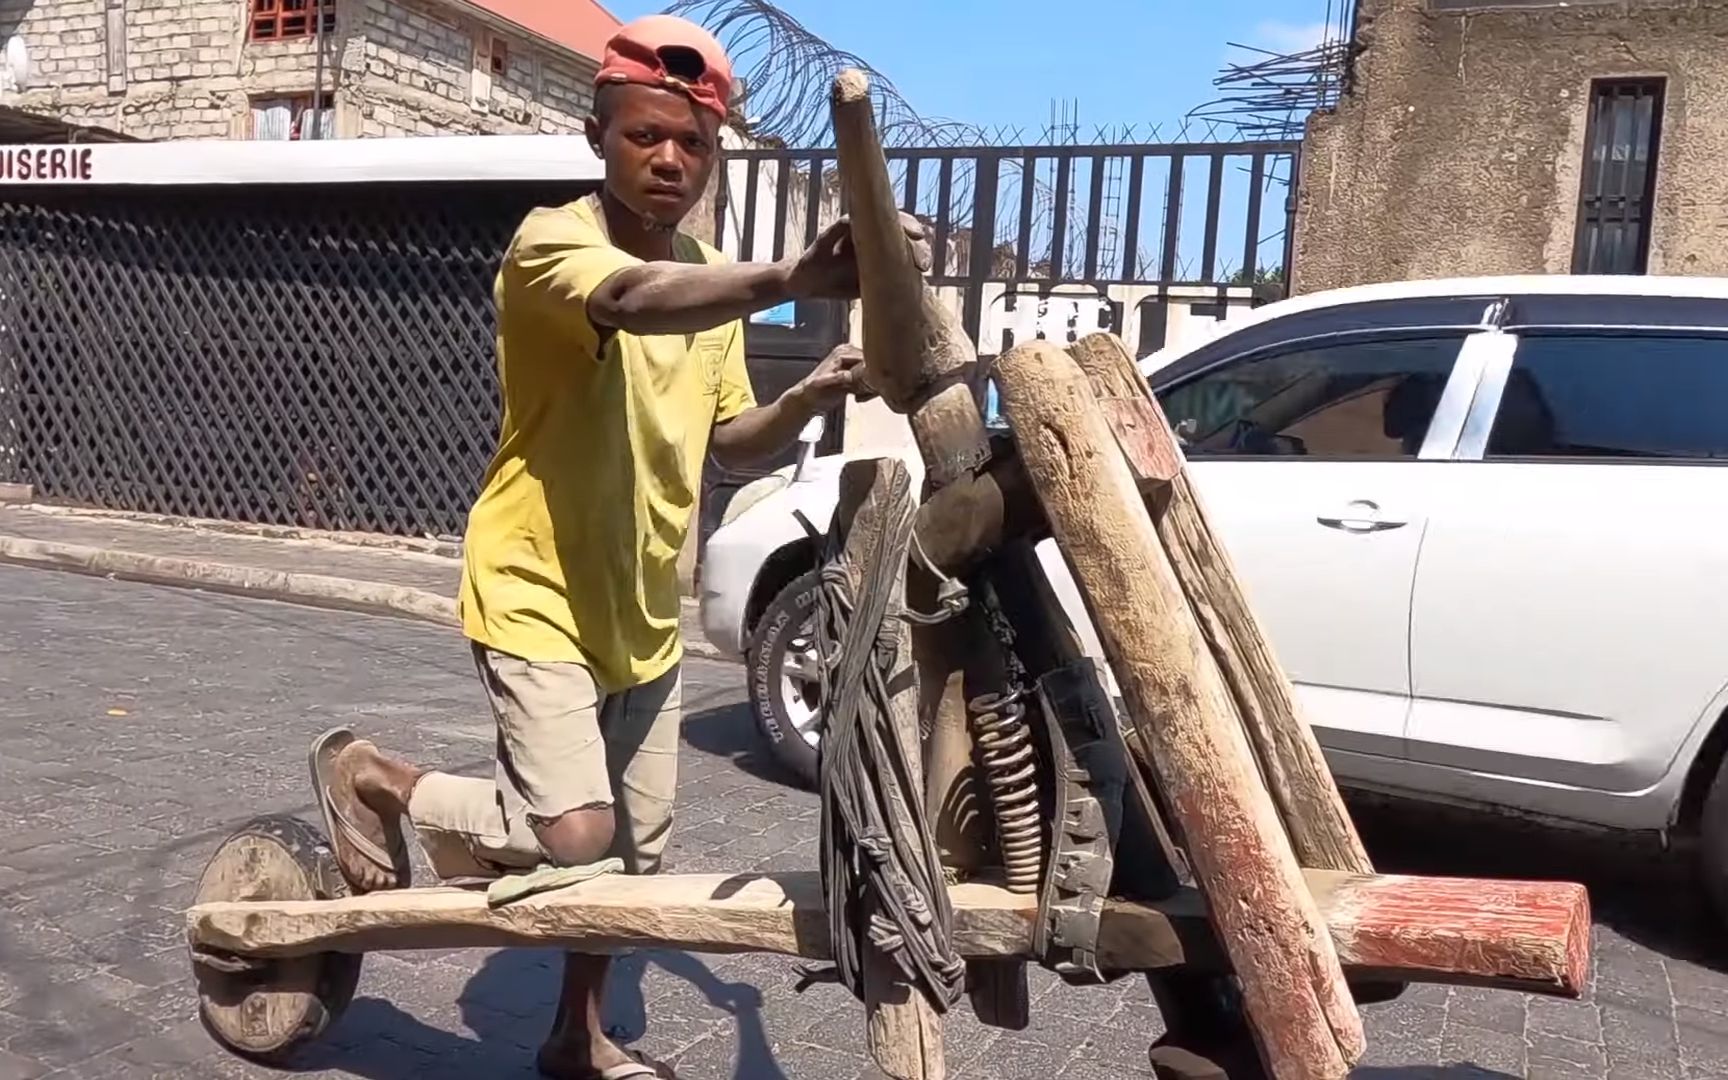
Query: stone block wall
point(395, 67)
point(419, 69)
point(66, 35)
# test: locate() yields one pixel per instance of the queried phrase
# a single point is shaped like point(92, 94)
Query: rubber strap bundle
point(881, 875)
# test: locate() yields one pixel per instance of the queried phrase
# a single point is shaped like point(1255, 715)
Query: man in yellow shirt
point(621, 359)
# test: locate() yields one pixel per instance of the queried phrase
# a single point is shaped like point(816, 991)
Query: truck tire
point(784, 693)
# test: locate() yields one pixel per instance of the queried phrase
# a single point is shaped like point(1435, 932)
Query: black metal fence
point(1027, 220)
point(322, 355)
point(307, 355)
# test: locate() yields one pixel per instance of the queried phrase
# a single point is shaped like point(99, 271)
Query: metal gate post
point(11, 390)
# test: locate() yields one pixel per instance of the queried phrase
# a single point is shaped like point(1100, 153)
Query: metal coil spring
point(1010, 767)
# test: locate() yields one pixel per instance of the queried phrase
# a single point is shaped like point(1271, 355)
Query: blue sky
point(992, 62)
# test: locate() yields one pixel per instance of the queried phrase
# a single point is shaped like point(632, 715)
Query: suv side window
point(1361, 399)
point(1615, 397)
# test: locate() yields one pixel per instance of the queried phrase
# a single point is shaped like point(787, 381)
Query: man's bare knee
point(578, 837)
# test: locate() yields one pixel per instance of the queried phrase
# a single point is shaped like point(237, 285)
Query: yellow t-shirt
point(572, 548)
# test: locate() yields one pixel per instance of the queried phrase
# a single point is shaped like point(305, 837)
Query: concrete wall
point(1192, 314)
point(1460, 148)
point(183, 69)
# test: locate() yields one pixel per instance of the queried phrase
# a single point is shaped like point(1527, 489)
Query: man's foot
point(380, 781)
point(364, 825)
point(563, 1058)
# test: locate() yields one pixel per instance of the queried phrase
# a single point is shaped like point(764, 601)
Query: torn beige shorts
point(562, 746)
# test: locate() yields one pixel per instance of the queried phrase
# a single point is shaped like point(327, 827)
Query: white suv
point(1484, 521)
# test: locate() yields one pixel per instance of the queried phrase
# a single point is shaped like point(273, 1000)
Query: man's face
point(659, 148)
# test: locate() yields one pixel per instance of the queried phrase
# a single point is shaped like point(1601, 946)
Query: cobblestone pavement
point(139, 726)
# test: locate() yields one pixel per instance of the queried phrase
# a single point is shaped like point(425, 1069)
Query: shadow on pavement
point(1650, 897)
point(508, 1006)
point(729, 732)
point(752, 1058)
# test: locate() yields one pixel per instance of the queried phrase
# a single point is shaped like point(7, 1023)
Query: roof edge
point(492, 18)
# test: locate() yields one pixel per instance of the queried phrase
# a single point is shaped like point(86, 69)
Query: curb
point(306, 590)
point(450, 548)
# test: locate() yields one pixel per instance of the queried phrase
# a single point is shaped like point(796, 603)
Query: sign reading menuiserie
point(204, 162)
point(46, 164)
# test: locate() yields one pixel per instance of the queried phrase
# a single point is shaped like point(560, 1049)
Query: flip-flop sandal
point(640, 1067)
point(341, 831)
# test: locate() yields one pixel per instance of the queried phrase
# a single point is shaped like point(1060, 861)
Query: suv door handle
point(1359, 516)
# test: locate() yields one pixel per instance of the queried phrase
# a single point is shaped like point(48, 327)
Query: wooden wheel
point(266, 1009)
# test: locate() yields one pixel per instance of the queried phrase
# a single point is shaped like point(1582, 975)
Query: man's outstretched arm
point(680, 298)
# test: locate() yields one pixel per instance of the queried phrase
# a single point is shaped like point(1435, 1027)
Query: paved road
point(139, 726)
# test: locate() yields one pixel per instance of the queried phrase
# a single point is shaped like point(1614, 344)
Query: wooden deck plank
point(1531, 936)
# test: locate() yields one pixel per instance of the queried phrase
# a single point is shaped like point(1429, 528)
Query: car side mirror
point(808, 439)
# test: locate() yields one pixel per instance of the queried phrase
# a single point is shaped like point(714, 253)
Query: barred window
point(1619, 181)
point(284, 20)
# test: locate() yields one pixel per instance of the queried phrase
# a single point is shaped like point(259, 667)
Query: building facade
point(1521, 136)
point(278, 69)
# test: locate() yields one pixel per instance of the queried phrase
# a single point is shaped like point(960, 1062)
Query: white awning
point(317, 161)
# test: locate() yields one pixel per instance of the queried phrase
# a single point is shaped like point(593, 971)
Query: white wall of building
point(1072, 312)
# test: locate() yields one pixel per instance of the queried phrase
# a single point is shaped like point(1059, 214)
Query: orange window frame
point(288, 20)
